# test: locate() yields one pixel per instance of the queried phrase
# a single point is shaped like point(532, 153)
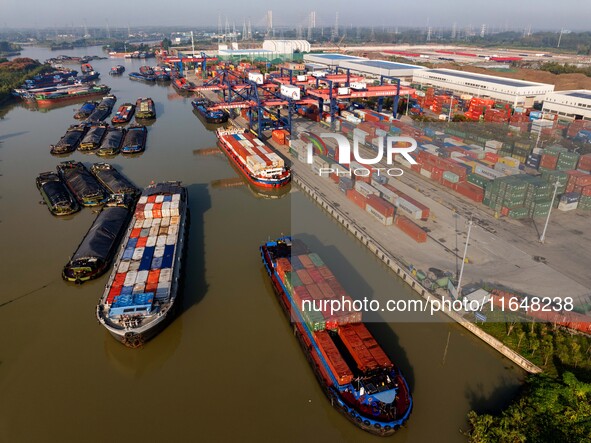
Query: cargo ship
point(218, 116)
point(87, 190)
point(52, 98)
point(95, 253)
point(181, 84)
point(111, 144)
point(56, 195)
point(143, 288)
point(145, 109)
point(50, 79)
point(112, 180)
point(135, 140)
point(124, 113)
point(257, 162)
point(354, 371)
point(93, 138)
point(70, 141)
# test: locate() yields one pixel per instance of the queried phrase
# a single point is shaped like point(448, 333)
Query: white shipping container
point(165, 275)
point(343, 91)
point(400, 159)
point(487, 172)
point(320, 162)
point(137, 253)
point(563, 206)
point(159, 251)
point(163, 284)
point(170, 239)
point(123, 266)
point(142, 277)
point(130, 278)
point(256, 77)
point(302, 78)
point(159, 198)
point(147, 224)
point(139, 224)
point(176, 197)
point(138, 288)
point(426, 173)
point(134, 266)
point(143, 200)
point(165, 221)
point(365, 189)
point(358, 85)
point(380, 217)
point(160, 241)
point(153, 231)
point(151, 241)
point(290, 91)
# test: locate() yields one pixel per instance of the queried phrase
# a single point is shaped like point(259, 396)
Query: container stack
point(333, 358)
point(253, 152)
point(148, 256)
point(364, 349)
point(309, 280)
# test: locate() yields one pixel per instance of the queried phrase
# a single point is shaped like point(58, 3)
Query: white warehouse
point(575, 104)
point(517, 92)
point(286, 46)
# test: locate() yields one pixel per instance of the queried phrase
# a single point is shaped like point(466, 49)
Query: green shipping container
point(316, 260)
point(451, 177)
point(519, 213)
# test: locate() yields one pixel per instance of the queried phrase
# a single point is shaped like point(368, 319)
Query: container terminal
point(529, 163)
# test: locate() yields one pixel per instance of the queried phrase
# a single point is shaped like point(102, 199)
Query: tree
point(166, 43)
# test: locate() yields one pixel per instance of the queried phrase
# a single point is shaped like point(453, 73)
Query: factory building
point(516, 92)
point(575, 104)
point(286, 46)
point(377, 68)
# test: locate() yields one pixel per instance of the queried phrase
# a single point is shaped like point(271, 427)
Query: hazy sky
point(541, 14)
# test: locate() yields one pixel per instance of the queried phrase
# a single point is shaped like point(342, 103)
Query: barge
point(70, 141)
point(216, 116)
point(145, 109)
point(93, 138)
point(144, 286)
point(111, 144)
point(135, 140)
point(81, 183)
point(56, 195)
point(112, 180)
point(123, 114)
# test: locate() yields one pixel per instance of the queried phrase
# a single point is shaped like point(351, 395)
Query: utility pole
point(451, 103)
point(192, 43)
point(560, 37)
point(459, 292)
point(543, 236)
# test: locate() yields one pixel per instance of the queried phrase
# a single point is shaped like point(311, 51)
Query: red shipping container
point(151, 199)
point(326, 290)
point(141, 242)
point(411, 229)
point(316, 276)
point(135, 232)
point(334, 178)
point(586, 190)
point(306, 262)
point(333, 357)
point(153, 276)
point(314, 291)
point(469, 190)
point(380, 205)
point(304, 277)
point(585, 162)
point(356, 198)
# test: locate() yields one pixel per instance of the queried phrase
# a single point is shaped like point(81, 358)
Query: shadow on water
point(13, 134)
point(354, 283)
point(491, 403)
point(195, 285)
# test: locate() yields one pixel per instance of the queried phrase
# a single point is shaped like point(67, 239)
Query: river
point(228, 368)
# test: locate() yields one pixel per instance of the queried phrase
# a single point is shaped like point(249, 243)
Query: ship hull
point(46, 102)
point(261, 183)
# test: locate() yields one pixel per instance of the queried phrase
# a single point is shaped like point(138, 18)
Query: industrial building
point(286, 46)
point(575, 104)
point(363, 65)
point(516, 92)
point(330, 60)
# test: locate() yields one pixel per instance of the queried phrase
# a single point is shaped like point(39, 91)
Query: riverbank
point(14, 73)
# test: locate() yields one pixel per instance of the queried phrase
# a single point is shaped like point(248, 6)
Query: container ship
point(142, 291)
point(261, 166)
point(94, 254)
point(354, 371)
point(124, 113)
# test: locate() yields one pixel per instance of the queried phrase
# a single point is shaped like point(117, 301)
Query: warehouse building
point(575, 104)
point(286, 46)
point(381, 67)
point(515, 92)
point(330, 60)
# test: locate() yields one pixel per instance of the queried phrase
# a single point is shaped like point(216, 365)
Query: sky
point(516, 14)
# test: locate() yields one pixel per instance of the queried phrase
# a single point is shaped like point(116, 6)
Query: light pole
point(459, 292)
point(543, 236)
point(451, 103)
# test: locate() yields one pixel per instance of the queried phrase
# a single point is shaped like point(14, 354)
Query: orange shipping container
point(411, 229)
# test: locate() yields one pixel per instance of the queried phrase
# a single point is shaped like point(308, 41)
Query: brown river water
point(228, 368)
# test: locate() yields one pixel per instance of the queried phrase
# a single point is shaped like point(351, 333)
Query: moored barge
point(87, 190)
point(56, 195)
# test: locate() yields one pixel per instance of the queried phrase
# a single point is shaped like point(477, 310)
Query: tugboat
point(135, 140)
point(217, 116)
point(111, 144)
point(58, 199)
point(96, 251)
point(143, 289)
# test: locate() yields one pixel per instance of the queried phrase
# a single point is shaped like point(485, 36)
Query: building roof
point(384, 64)
point(579, 94)
point(332, 56)
point(244, 51)
point(484, 78)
